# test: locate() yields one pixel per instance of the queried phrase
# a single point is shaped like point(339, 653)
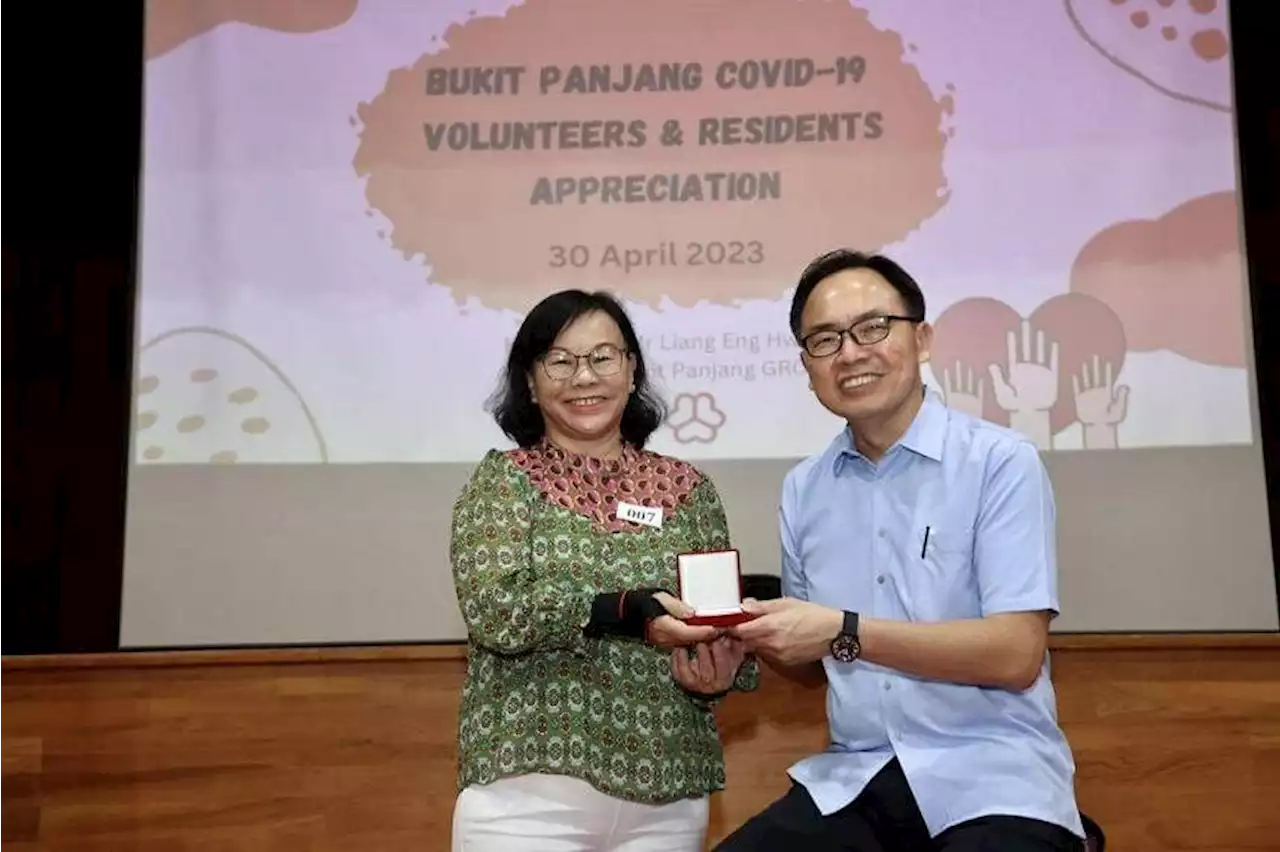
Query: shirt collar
point(928, 432)
point(925, 436)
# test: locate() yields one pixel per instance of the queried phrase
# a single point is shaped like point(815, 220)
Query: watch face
point(845, 648)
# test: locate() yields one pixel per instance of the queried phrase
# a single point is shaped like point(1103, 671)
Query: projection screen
point(347, 208)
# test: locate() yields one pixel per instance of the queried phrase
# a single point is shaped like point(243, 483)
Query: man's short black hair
point(826, 265)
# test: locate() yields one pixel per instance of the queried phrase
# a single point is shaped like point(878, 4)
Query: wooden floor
point(1177, 744)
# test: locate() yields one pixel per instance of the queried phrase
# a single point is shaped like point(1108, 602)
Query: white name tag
point(649, 517)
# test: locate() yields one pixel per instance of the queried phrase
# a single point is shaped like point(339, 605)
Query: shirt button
point(883, 534)
point(887, 686)
point(880, 579)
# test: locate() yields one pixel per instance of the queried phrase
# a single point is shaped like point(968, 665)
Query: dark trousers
point(885, 818)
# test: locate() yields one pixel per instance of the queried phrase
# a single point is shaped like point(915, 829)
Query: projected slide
point(349, 205)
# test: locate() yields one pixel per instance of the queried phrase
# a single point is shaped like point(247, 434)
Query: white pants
point(555, 813)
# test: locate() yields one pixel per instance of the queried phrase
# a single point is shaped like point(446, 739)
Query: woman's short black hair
point(826, 265)
point(512, 405)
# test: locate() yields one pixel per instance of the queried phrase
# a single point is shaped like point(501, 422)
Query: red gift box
point(711, 583)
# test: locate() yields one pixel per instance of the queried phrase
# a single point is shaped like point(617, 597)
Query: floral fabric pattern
point(534, 541)
point(593, 487)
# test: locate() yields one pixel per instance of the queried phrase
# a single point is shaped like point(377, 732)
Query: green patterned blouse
point(535, 538)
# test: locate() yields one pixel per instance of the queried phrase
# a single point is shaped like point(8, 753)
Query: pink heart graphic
point(1176, 281)
point(1084, 334)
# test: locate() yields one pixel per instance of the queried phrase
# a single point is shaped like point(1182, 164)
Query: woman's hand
point(668, 631)
point(711, 669)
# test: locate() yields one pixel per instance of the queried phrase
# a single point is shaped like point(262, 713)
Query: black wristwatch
point(845, 648)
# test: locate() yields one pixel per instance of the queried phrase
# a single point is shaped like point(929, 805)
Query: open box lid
point(711, 583)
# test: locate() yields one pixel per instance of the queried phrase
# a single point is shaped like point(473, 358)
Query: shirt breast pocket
point(942, 581)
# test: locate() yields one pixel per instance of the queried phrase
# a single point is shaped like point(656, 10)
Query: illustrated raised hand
point(963, 389)
point(1100, 403)
point(1029, 381)
point(1027, 387)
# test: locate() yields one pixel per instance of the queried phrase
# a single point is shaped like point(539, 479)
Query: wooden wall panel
point(1177, 745)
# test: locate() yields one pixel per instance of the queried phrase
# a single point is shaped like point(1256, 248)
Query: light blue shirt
point(853, 535)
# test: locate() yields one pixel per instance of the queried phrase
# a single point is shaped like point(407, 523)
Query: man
point(919, 579)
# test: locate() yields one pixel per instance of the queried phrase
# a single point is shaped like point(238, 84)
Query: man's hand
point(669, 631)
point(788, 631)
point(711, 669)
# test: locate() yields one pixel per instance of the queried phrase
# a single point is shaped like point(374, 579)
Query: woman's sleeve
point(714, 527)
point(508, 605)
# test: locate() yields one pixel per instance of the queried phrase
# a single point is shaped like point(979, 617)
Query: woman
point(587, 718)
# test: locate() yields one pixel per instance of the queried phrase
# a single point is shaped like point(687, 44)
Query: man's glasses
point(865, 332)
point(561, 364)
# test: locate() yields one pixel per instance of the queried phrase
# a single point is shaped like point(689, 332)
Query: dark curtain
point(1254, 32)
point(73, 110)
